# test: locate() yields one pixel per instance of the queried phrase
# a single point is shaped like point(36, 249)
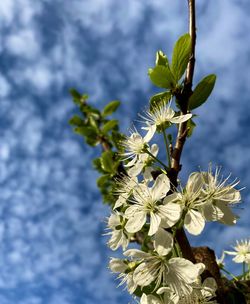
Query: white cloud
point(5, 86)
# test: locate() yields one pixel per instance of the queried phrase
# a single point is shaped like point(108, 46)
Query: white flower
point(191, 203)
point(125, 268)
point(242, 252)
point(167, 298)
point(219, 196)
point(162, 114)
point(124, 186)
point(143, 160)
point(177, 273)
point(146, 202)
point(220, 261)
point(135, 145)
point(203, 294)
point(119, 237)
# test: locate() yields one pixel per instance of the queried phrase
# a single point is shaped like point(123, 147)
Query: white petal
point(154, 223)
point(131, 210)
point(149, 299)
point(136, 222)
point(136, 253)
point(163, 242)
point(172, 197)
point(212, 212)
point(160, 187)
point(145, 273)
point(136, 169)
point(151, 131)
point(194, 222)
point(182, 273)
point(119, 202)
point(195, 182)
point(170, 214)
point(154, 149)
point(113, 221)
point(117, 265)
point(181, 118)
point(228, 217)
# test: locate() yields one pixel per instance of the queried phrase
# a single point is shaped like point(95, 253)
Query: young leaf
point(77, 97)
point(109, 125)
point(202, 91)
point(86, 131)
point(107, 161)
point(162, 77)
point(160, 97)
point(161, 59)
point(110, 108)
point(180, 57)
point(190, 125)
point(76, 121)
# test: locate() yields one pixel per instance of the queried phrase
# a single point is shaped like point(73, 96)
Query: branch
point(182, 131)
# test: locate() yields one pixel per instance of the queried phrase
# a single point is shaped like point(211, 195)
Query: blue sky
point(52, 219)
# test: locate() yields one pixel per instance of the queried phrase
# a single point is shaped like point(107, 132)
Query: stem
point(229, 273)
point(244, 270)
point(167, 146)
point(156, 159)
point(182, 130)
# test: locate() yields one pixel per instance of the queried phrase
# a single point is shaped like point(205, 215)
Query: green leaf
point(161, 59)
point(77, 97)
point(181, 55)
point(102, 180)
point(160, 97)
point(110, 108)
point(190, 125)
point(107, 161)
point(109, 125)
point(162, 77)
point(76, 121)
point(86, 131)
point(202, 91)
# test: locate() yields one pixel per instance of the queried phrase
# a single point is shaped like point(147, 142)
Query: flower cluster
point(149, 209)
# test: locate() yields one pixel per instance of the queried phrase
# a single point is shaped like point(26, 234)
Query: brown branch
point(182, 131)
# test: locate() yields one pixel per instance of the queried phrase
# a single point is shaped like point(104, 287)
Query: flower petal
point(136, 253)
point(151, 131)
point(160, 187)
point(155, 221)
point(181, 118)
point(136, 222)
point(194, 222)
point(169, 213)
point(117, 265)
point(163, 242)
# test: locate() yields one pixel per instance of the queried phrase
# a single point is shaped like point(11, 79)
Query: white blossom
point(147, 202)
point(177, 273)
point(124, 186)
point(191, 203)
point(119, 237)
point(135, 145)
point(143, 160)
point(242, 252)
point(219, 196)
point(125, 270)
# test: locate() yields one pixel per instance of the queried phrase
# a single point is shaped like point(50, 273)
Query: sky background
point(51, 216)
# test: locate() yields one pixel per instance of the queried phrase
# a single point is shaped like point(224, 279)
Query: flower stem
point(244, 270)
point(229, 273)
point(167, 146)
point(156, 159)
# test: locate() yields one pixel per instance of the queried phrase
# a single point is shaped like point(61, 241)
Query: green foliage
point(162, 77)
point(110, 125)
point(76, 121)
point(160, 98)
point(110, 108)
point(202, 91)
point(190, 125)
point(77, 97)
point(181, 55)
point(107, 162)
point(161, 59)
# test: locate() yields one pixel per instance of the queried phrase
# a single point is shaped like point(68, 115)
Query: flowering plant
point(150, 206)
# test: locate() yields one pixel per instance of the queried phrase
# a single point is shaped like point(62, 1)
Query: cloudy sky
point(52, 250)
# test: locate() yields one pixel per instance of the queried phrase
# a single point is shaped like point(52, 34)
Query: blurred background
point(51, 215)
